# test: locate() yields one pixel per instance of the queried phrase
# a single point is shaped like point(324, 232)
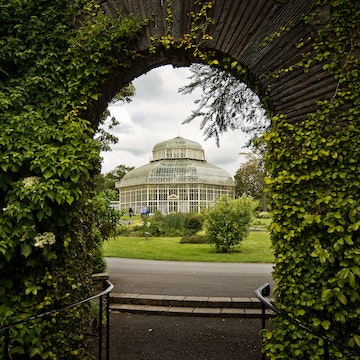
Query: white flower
point(30, 181)
point(47, 238)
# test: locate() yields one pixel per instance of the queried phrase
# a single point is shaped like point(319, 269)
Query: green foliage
point(107, 122)
point(106, 221)
point(250, 180)
point(194, 239)
point(53, 57)
point(98, 261)
point(193, 41)
point(106, 217)
point(156, 225)
point(263, 215)
point(117, 174)
point(106, 183)
point(225, 103)
point(193, 223)
point(157, 228)
point(228, 222)
point(316, 206)
point(173, 224)
point(167, 225)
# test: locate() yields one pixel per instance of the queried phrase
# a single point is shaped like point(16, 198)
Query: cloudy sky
point(156, 114)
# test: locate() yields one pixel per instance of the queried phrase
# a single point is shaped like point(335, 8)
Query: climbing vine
point(53, 57)
point(316, 206)
point(194, 40)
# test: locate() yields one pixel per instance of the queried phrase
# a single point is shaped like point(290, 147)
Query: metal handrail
point(108, 287)
point(264, 290)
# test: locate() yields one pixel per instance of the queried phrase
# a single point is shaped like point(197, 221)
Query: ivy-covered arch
point(61, 64)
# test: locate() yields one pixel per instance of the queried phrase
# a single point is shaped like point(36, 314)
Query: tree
point(106, 183)
point(250, 179)
point(226, 103)
point(107, 122)
point(117, 174)
point(228, 222)
point(106, 217)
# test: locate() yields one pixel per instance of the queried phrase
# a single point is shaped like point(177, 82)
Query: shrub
point(174, 224)
point(123, 229)
point(264, 215)
point(156, 228)
point(193, 223)
point(194, 239)
point(228, 222)
point(167, 225)
point(98, 261)
point(106, 217)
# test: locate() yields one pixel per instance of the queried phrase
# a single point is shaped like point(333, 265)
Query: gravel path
point(154, 337)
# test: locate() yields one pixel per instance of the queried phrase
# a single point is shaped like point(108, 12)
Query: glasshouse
point(177, 179)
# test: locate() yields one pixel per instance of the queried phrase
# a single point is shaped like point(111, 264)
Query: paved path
point(187, 278)
point(150, 337)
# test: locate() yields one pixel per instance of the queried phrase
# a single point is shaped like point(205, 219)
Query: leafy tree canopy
point(250, 179)
point(106, 183)
point(107, 122)
point(225, 104)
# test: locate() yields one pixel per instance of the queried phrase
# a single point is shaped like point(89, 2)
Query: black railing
point(108, 286)
point(264, 290)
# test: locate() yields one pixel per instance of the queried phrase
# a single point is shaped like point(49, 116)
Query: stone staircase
point(187, 305)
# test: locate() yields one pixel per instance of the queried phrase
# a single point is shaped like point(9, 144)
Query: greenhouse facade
point(177, 179)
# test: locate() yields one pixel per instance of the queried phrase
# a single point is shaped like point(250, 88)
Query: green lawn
point(255, 249)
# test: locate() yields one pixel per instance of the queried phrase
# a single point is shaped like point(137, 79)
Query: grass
point(254, 249)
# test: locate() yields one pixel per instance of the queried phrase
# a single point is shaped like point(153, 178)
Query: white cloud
point(156, 114)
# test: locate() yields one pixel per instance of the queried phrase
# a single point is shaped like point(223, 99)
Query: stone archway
point(239, 31)
point(314, 144)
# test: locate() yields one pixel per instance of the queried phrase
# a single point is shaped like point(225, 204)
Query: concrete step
point(189, 311)
point(185, 301)
point(186, 305)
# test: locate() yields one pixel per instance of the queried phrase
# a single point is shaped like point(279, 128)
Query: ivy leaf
point(326, 295)
point(326, 324)
point(4, 166)
point(357, 340)
point(25, 250)
point(48, 174)
point(352, 280)
point(356, 270)
point(341, 297)
point(35, 351)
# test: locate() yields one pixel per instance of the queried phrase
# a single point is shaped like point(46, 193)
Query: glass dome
point(178, 178)
point(178, 148)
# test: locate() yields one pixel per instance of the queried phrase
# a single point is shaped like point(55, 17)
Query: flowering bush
point(48, 159)
point(47, 238)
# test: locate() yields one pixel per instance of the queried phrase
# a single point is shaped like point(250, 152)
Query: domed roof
point(178, 143)
point(178, 148)
point(177, 171)
point(177, 161)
